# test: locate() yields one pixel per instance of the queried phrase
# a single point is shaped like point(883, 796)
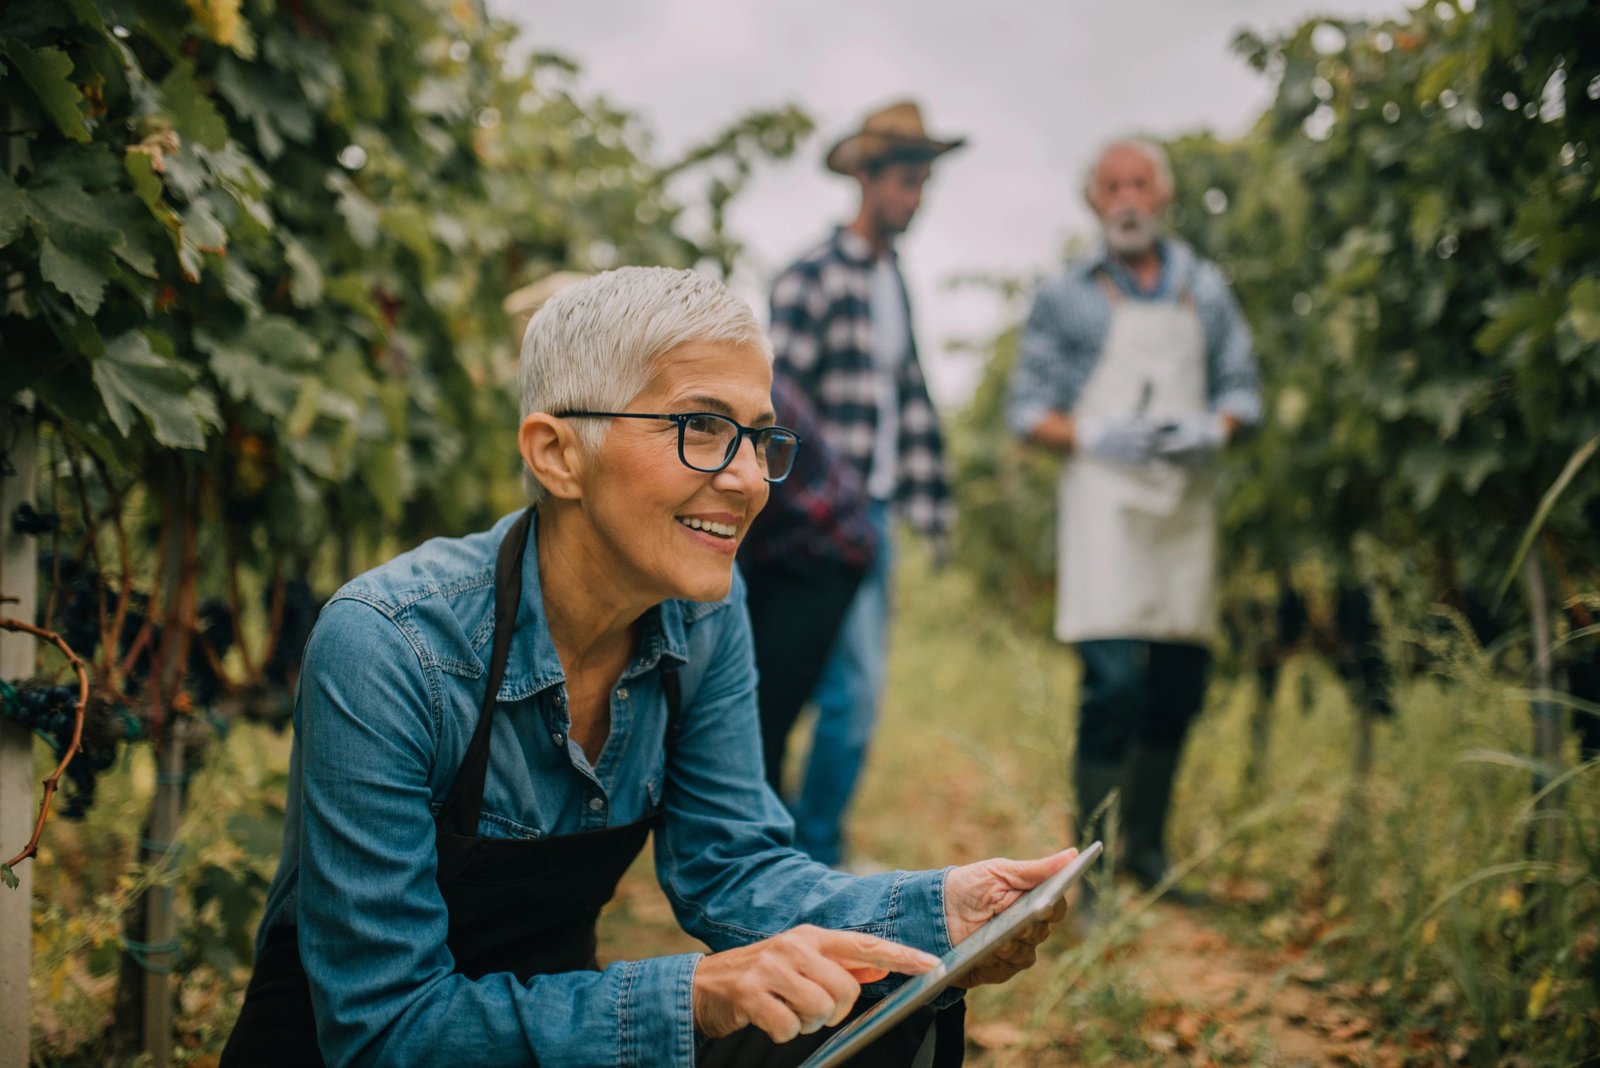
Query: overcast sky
point(1036, 87)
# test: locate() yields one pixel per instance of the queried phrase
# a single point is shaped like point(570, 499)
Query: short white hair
point(594, 345)
point(1150, 150)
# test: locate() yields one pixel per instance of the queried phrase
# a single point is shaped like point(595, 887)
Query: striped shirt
point(1071, 316)
point(822, 336)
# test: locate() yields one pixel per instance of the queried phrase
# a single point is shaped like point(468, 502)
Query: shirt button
point(558, 738)
point(596, 804)
point(622, 694)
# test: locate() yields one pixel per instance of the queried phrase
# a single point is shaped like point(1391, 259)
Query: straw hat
point(520, 305)
point(894, 133)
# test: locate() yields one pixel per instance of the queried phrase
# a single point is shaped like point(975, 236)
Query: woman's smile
point(722, 527)
point(718, 532)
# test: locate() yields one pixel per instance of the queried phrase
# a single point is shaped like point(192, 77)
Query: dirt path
point(1215, 1002)
point(1206, 1001)
point(1203, 999)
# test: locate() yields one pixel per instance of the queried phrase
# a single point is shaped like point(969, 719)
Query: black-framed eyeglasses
point(708, 441)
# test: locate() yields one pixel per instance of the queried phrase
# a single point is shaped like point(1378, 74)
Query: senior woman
point(487, 729)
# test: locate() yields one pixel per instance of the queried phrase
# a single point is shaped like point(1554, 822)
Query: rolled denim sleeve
point(1033, 385)
point(724, 857)
point(372, 922)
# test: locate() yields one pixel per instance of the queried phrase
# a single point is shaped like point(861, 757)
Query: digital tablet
point(917, 991)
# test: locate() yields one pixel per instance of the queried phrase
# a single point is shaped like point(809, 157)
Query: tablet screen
point(921, 989)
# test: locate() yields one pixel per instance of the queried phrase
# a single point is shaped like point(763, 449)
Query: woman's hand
point(975, 893)
point(794, 983)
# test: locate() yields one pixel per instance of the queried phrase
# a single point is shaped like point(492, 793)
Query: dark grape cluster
point(49, 711)
point(81, 599)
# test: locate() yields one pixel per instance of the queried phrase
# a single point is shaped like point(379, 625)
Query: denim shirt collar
point(533, 664)
point(1178, 261)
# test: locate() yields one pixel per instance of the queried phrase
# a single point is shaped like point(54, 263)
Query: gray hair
point(1147, 148)
point(595, 344)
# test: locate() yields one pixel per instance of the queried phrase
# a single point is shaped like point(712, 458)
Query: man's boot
point(1146, 798)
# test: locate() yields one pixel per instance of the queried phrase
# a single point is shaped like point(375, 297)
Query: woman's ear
point(552, 453)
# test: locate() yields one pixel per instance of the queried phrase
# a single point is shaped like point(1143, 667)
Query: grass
point(1402, 911)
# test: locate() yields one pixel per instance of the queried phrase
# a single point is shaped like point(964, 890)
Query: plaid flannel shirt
point(820, 510)
point(822, 335)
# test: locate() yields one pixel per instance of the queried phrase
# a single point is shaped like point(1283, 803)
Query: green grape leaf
point(140, 167)
point(77, 261)
point(305, 275)
point(278, 340)
point(268, 102)
point(304, 412)
point(247, 378)
point(359, 213)
point(193, 114)
point(1517, 322)
point(384, 473)
point(135, 248)
point(135, 379)
point(48, 72)
point(87, 14)
point(241, 284)
point(202, 227)
point(1583, 309)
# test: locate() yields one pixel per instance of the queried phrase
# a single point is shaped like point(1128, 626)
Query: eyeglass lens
point(709, 442)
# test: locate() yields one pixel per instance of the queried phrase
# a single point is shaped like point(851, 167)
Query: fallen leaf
point(1312, 974)
point(1353, 1028)
point(996, 1034)
point(1162, 1041)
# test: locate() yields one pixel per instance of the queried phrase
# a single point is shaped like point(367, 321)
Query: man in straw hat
point(841, 327)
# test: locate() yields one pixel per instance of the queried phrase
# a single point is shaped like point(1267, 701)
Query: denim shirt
point(1067, 327)
point(389, 695)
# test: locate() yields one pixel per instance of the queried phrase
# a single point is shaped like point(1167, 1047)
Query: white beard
point(1130, 232)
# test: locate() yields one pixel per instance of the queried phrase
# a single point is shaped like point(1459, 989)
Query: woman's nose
point(744, 468)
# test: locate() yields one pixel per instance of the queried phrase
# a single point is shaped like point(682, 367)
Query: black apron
point(524, 906)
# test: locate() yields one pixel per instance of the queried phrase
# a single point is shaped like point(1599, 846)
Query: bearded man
point(1137, 365)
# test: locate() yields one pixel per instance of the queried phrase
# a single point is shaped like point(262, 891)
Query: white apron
point(1137, 543)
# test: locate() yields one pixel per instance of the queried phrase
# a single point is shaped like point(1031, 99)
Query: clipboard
point(973, 951)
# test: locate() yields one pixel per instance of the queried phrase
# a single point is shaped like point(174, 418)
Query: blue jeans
point(847, 708)
point(1138, 693)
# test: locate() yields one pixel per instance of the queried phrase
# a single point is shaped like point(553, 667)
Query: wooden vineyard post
point(19, 797)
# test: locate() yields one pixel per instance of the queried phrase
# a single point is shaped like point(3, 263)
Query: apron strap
point(1185, 293)
point(674, 692)
point(464, 802)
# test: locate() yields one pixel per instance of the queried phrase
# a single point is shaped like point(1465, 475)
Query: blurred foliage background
point(1413, 231)
point(254, 254)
